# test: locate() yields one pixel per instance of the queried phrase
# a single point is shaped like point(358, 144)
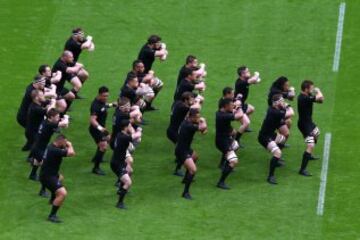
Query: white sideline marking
point(339, 34)
point(324, 170)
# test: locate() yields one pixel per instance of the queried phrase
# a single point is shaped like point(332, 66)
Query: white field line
point(324, 171)
point(339, 34)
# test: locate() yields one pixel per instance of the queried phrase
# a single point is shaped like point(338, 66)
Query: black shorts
point(306, 128)
point(97, 135)
point(37, 154)
point(265, 140)
point(51, 182)
point(118, 169)
point(224, 144)
point(61, 93)
point(244, 107)
point(181, 156)
point(172, 135)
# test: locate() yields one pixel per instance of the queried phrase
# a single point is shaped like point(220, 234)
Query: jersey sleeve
point(60, 152)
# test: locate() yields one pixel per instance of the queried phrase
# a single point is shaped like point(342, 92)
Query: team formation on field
point(46, 102)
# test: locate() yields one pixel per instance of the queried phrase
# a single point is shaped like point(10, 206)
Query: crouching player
point(49, 173)
point(224, 139)
point(47, 128)
point(119, 159)
point(308, 96)
point(268, 136)
point(97, 129)
point(183, 152)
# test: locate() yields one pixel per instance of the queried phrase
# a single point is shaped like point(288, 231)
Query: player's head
point(39, 82)
point(188, 98)
point(53, 115)
point(194, 115)
point(226, 104)
point(138, 66)
point(67, 56)
point(228, 92)
point(278, 101)
point(37, 96)
point(132, 81)
point(282, 83)
point(124, 104)
point(243, 72)
point(191, 61)
point(45, 70)
point(60, 141)
point(78, 34)
point(154, 41)
point(190, 74)
point(103, 94)
point(124, 125)
point(307, 86)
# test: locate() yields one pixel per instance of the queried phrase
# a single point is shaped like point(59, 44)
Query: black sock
point(281, 145)
point(178, 167)
point(34, 170)
point(305, 160)
point(238, 136)
point(188, 180)
point(98, 157)
point(273, 164)
point(148, 104)
point(122, 192)
point(42, 189)
point(225, 173)
point(54, 210)
point(74, 92)
point(68, 104)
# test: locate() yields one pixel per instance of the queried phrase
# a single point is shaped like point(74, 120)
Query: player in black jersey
point(308, 96)
point(229, 93)
point(191, 62)
point(35, 114)
point(282, 86)
point(124, 112)
point(97, 128)
point(134, 92)
point(50, 176)
point(50, 86)
point(75, 44)
point(37, 84)
point(183, 152)
point(189, 84)
point(225, 137)
point(242, 85)
point(268, 136)
point(152, 49)
point(178, 114)
point(119, 158)
point(65, 65)
point(47, 128)
point(149, 84)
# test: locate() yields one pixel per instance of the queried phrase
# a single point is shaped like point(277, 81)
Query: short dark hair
point(306, 84)
point(153, 39)
point(276, 97)
point(52, 113)
point(136, 62)
point(77, 30)
point(124, 123)
point(193, 112)
point(130, 77)
point(42, 68)
point(227, 90)
point(34, 93)
point(103, 89)
point(188, 71)
point(186, 96)
point(190, 59)
point(123, 100)
point(279, 83)
point(60, 137)
point(224, 102)
point(241, 69)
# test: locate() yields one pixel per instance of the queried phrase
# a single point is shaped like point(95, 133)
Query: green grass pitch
point(280, 37)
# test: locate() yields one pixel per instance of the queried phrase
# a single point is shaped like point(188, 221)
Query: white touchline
point(339, 34)
point(323, 178)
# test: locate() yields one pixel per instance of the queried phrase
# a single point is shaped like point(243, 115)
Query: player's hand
point(89, 38)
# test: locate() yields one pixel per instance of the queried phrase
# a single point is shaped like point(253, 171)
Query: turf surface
point(292, 38)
